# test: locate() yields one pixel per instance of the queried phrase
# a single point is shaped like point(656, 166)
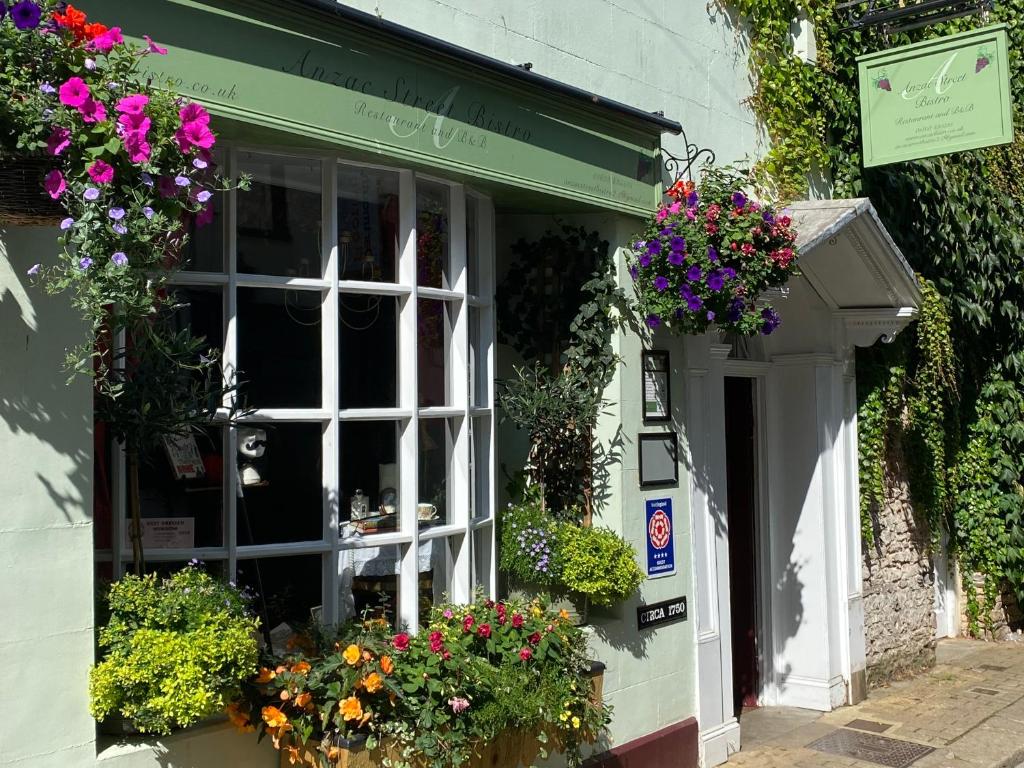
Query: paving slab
point(966, 712)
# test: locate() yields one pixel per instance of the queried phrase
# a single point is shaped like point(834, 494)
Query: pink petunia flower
point(93, 111)
point(193, 113)
point(133, 104)
point(54, 184)
point(458, 704)
point(74, 92)
point(199, 134)
point(205, 216)
point(101, 172)
point(105, 42)
point(137, 147)
point(134, 122)
point(59, 140)
point(153, 47)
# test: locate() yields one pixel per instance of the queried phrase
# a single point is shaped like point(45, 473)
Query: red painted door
point(741, 486)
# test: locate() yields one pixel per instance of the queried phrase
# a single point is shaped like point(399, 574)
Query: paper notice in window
point(183, 453)
point(164, 533)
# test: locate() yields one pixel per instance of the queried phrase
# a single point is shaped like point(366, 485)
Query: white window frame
point(465, 530)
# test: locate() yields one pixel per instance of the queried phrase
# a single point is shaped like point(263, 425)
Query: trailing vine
point(954, 387)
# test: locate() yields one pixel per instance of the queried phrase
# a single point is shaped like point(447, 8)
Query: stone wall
point(1005, 620)
point(899, 619)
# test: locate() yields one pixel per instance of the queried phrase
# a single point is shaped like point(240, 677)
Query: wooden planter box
point(510, 750)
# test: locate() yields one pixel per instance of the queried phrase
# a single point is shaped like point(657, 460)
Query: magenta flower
point(436, 642)
point(193, 113)
point(525, 653)
point(675, 207)
point(54, 184)
point(458, 704)
point(59, 140)
point(74, 92)
point(105, 42)
point(101, 172)
point(133, 104)
point(199, 135)
point(137, 147)
point(153, 47)
point(92, 111)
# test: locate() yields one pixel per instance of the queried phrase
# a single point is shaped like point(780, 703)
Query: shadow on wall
point(35, 399)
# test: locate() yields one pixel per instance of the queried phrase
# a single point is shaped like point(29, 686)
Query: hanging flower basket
point(706, 257)
point(23, 202)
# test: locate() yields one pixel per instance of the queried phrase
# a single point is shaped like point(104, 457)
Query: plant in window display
point(708, 254)
point(174, 651)
point(126, 167)
point(490, 683)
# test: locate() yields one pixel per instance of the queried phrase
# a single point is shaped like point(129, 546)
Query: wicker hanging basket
point(23, 201)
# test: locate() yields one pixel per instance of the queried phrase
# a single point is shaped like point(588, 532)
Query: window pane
point(434, 330)
point(479, 349)
point(482, 555)
point(434, 563)
point(288, 589)
point(433, 261)
point(279, 218)
point(480, 448)
point(369, 477)
point(281, 473)
point(104, 455)
point(279, 347)
point(367, 224)
point(216, 568)
point(435, 452)
point(201, 310)
point(472, 245)
point(368, 334)
point(181, 503)
point(369, 582)
point(204, 251)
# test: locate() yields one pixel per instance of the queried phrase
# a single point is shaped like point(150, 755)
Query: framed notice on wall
point(657, 399)
point(659, 459)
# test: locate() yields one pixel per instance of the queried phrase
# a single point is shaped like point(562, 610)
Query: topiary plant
point(176, 650)
point(598, 563)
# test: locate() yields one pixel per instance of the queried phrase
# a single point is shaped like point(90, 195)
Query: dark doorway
point(742, 489)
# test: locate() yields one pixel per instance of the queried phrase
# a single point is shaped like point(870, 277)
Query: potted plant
point(174, 650)
point(490, 683)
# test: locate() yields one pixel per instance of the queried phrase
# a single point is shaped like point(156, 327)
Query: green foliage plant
point(174, 651)
point(433, 699)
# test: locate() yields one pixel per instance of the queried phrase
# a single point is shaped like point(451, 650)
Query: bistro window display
point(354, 310)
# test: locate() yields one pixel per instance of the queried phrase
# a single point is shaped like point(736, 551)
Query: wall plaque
point(657, 399)
point(659, 614)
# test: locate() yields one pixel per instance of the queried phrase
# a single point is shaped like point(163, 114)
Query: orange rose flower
point(300, 668)
point(303, 699)
point(265, 676)
point(351, 655)
point(274, 717)
point(387, 666)
point(351, 708)
point(373, 682)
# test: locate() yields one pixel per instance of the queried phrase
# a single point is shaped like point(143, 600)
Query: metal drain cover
point(874, 749)
point(868, 725)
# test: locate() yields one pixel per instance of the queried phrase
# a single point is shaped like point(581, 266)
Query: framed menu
point(657, 399)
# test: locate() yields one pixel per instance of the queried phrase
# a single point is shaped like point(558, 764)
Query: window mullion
point(485, 282)
point(331, 372)
point(230, 361)
point(459, 486)
point(408, 495)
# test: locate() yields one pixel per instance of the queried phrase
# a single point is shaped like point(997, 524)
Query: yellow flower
point(351, 655)
point(387, 666)
point(575, 722)
point(563, 615)
point(351, 709)
point(536, 611)
point(564, 716)
point(372, 682)
point(274, 717)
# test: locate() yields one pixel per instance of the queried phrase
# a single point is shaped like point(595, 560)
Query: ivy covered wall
point(952, 388)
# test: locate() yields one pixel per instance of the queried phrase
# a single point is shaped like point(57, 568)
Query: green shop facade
point(353, 288)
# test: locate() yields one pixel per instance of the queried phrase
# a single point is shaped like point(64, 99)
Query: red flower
point(400, 641)
point(467, 623)
point(484, 630)
point(92, 31)
point(72, 20)
point(534, 638)
point(489, 603)
point(436, 642)
point(525, 654)
point(517, 620)
point(447, 655)
point(747, 249)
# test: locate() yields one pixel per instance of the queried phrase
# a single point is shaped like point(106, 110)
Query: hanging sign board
point(949, 94)
point(661, 551)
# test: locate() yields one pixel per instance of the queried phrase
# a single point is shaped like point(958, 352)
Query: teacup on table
point(426, 511)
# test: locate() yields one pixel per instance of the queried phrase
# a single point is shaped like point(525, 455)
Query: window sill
point(109, 747)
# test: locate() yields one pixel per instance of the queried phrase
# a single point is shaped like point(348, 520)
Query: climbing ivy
point(954, 386)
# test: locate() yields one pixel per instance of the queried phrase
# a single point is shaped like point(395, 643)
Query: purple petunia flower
point(25, 15)
point(633, 272)
point(645, 260)
point(639, 245)
point(739, 199)
point(711, 316)
point(653, 321)
point(44, 87)
point(182, 181)
point(677, 244)
point(676, 258)
point(660, 283)
point(729, 273)
point(736, 308)
point(147, 212)
point(91, 193)
point(119, 259)
point(84, 263)
point(694, 303)
point(771, 320)
point(120, 228)
point(693, 274)
point(715, 280)
point(34, 269)
point(712, 253)
point(116, 213)
point(199, 163)
point(769, 217)
point(692, 199)
point(146, 179)
point(90, 64)
point(654, 247)
point(666, 232)
point(203, 196)
point(67, 223)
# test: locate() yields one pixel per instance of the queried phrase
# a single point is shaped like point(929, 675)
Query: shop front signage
point(661, 549)
point(274, 66)
point(943, 95)
point(658, 614)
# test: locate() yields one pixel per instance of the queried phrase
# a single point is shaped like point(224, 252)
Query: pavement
point(966, 712)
